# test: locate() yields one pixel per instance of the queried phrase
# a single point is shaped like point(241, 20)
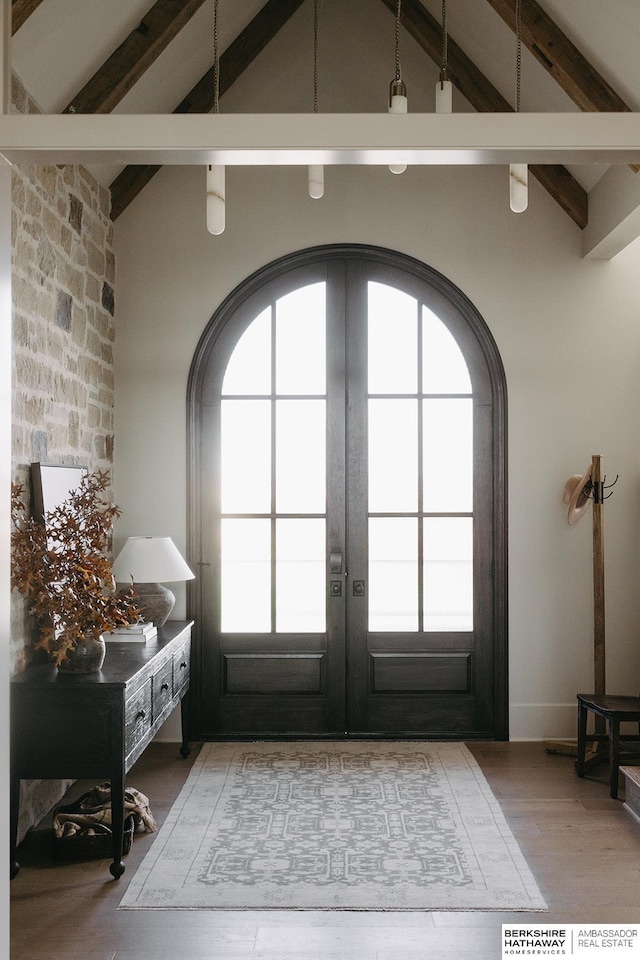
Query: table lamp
point(145, 561)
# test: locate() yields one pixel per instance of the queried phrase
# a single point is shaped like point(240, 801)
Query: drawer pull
point(140, 715)
point(165, 686)
point(183, 665)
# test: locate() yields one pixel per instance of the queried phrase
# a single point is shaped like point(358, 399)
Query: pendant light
point(518, 172)
point(315, 172)
point(398, 102)
point(216, 172)
point(444, 87)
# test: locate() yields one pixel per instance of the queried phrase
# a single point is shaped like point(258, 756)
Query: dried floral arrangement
point(61, 567)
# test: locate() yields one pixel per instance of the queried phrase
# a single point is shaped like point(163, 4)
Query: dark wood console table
point(97, 725)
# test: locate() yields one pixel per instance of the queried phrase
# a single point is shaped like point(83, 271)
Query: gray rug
point(334, 826)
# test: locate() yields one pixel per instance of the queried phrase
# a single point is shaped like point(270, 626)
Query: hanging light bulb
point(518, 172)
point(315, 172)
point(315, 175)
point(518, 187)
point(216, 172)
point(444, 87)
point(444, 95)
point(215, 199)
point(398, 102)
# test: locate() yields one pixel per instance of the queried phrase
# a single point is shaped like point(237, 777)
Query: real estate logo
point(582, 941)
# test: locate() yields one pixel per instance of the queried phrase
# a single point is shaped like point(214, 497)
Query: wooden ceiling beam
point(21, 10)
point(552, 48)
point(485, 98)
point(233, 62)
point(240, 54)
point(133, 57)
point(561, 58)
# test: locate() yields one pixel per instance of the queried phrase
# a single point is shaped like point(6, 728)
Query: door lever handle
point(335, 561)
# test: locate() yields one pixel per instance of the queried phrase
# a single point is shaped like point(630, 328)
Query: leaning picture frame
point(51, 484)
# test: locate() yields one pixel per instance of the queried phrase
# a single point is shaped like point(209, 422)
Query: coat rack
point(596, 493)
point(592, 487)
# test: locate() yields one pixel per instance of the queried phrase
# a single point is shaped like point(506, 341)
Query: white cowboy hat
point(576, 494)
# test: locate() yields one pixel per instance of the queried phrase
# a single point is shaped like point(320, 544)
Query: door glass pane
point(300, 341)
point(300, 456)
point(393, 574)
point(393, 456)
point(246, 576)
point(246, 456)
point(448, 455)
point(300, 576)
point(448, 573)
point(249, 367)
point(444, 369)
point(393, 340)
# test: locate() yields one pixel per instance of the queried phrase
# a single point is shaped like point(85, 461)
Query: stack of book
point(133, 633)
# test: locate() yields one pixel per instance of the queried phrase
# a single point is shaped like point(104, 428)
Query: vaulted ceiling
point(144, 57)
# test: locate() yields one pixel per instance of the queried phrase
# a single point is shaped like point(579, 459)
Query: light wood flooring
point(583, 848)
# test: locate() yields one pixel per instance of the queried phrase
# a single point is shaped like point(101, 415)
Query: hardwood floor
point(583, 848)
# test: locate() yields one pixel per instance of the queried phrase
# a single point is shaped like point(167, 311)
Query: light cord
point(216, 62)
point(315, 56)
point(445, 52)
point(518, 51)
point(397, 41)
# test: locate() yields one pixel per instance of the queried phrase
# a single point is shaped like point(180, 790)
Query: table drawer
point(181, 665)
point(162, 688)
point(137, 717)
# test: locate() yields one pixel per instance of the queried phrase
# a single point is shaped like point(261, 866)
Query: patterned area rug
point(339, 826)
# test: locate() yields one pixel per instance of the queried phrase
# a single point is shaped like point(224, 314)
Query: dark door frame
point(444, 289)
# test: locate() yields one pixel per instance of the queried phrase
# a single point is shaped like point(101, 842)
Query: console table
point(96, 725)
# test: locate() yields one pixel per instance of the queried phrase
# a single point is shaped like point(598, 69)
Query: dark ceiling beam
point(557, 54)
point(569, 68)
point(233, 62)
point(484, 97)
point(21, 10)
point(134, 56)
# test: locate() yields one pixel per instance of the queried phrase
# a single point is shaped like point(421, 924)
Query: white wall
point(568, 331)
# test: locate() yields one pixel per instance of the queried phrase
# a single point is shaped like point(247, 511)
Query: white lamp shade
point(215, 199)
point(444, 96)
point(315, 177)
point(398, 103)
point(518, 187)
point(150, 560)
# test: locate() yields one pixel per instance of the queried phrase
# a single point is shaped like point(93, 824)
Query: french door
point(348, 490)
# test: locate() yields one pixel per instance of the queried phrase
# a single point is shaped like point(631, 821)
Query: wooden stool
point(614, 710)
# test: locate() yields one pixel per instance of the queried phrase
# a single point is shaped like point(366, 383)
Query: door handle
point(335, 561)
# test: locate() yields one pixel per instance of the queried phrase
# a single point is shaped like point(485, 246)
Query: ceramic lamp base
point(155, 602)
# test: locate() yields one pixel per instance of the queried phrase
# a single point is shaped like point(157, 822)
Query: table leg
point(117, 823)
point(14, 804)
point(185, 749)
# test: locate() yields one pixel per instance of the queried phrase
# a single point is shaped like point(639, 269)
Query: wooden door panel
point(421, 672)
point(273, 673)
point(438, 716)
point(263, 715)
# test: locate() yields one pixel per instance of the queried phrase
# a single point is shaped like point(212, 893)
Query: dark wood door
point(346, 430)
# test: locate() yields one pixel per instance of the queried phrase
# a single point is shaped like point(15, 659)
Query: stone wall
point(63, 332)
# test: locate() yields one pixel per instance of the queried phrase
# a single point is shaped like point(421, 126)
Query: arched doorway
point(348, 505)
